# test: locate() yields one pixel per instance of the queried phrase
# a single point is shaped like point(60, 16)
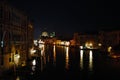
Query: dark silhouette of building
point(16, 36)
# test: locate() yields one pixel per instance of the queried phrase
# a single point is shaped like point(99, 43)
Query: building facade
point(16, 36)
point(89, 40)
point(109, 38)
point(103, 40)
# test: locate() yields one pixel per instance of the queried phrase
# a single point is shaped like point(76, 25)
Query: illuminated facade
point(104, 40)
point(89, 40)
point(48, 38)
point(86, 40)
point(16, 37)
point(45, 34)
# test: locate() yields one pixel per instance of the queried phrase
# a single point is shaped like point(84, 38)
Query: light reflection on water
point(67, 58)
point(42, 57)
point(45, 57)
point(18, 78)
point(81, 59)
point(90, 60)
point(55, 56)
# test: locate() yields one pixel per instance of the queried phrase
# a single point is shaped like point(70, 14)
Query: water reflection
point(33, 68)
point(42, 57)
point(90, 60)
point(42, 48)
point(81, 59)
point(72, 62)
point(67, 58)
point(18, 78)
point(54, 55)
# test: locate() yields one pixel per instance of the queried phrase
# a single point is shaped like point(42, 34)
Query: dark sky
point(68, 16)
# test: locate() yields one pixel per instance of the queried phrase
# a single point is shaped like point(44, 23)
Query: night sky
point(68, 16)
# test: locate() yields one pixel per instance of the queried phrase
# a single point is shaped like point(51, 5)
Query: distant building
point(104, 40)
point(109, 38)
point(87, 40)
point(76, 38)
point(48, 38)
point(16, 37)
point(45, 34)
point(52, 34)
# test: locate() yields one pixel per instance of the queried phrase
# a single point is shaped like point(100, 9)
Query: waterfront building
point(109, 39)
point(86, 40)
point(89, 40)
point(103, 40)
point(16, 36)
point(48, 38)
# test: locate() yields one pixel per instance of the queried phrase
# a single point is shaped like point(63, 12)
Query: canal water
point(68, 63)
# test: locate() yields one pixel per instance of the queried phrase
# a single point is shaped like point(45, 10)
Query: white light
point(62, 43)
point(34, 62)
point(45, 34)
point(67, 58)
point(67, 43)
point(1, 43)
point(81, 59)
point(41, 46)
point(32, 51)
point(90, 60)
point(109, 49)
point(41, 42)
point(81, 47)
point(17, 56)
point(89, 45)
point(99, 44)
point(35, 42)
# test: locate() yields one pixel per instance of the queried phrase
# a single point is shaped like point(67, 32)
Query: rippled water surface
point(68, 63)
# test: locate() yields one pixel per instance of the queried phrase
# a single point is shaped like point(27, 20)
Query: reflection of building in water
point(54, 54)
point(90, 60)
point(81, 59)
point(16, 35)
point(42, 49)
point(67, 58)
point(43, 57)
